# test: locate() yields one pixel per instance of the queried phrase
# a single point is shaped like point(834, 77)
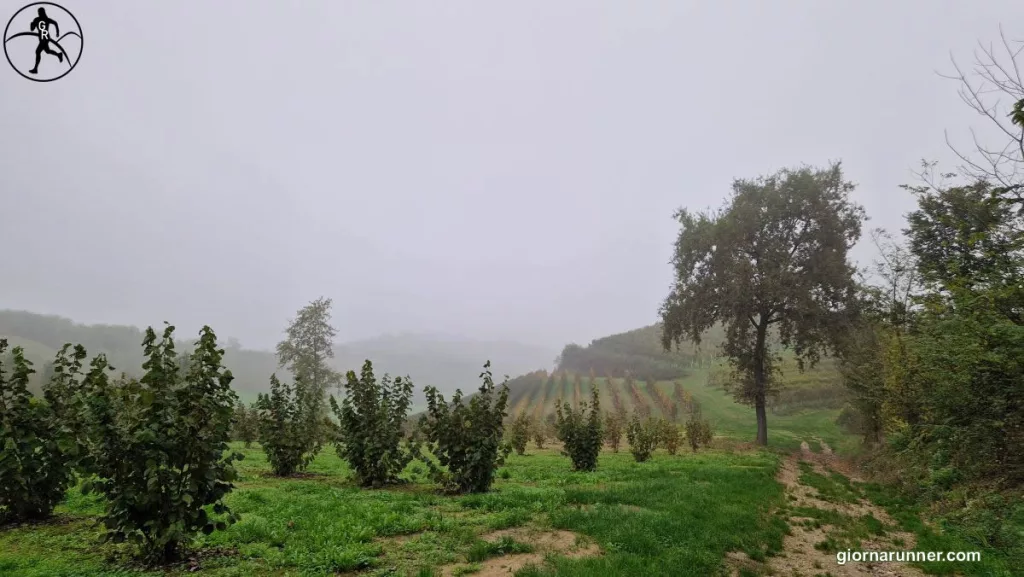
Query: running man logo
point(58, 41)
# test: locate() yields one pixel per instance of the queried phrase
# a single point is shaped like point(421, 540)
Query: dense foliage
point(284, 419)
point(773, 260)
point(519, 432)
point(668, 436)
point(698, 429)
point(37, 442)
point(371, 420)
point(542, 431)
point(158, 446)
point(581, 431)
point(244, 424)
point(614, 425)
point(308, 347)
point(642, 434)
point(466, 439)
point(934, 364)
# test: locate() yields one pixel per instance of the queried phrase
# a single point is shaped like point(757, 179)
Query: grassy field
point(688, 514)
point(676, 515)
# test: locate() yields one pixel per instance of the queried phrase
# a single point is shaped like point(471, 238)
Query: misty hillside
point(443, 361)
point(807, 397)
point(639, 353)
point(815, 388)
point(633, 371)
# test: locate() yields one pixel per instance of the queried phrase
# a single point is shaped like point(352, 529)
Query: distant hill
point(443, 361)
point(621, 365)
point(633, 371)
point(536, 393)
point(639, 353)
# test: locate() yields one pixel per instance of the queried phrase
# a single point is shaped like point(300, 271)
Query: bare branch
point(995, 78)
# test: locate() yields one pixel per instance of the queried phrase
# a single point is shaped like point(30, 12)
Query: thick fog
point(496, 170)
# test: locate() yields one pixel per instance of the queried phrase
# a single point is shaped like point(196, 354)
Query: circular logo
point(43, 41)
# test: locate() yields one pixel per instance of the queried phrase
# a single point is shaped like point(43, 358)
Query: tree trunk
point(762, 421)
point(760, 383)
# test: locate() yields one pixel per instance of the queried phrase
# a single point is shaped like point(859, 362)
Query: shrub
point(371, 421)
point(466, 439)
point(519, 433)
point(244, 425)
point(614, 422)
point(540, 433)
point(580, 431)
point(36, 450)
point(158, 445)
point(283, 423)
point(642, 437)
point(850, 420)
point(698, 429)
point(668, 436)
point(330, 431)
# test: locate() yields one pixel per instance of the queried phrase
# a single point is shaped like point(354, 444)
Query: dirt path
point(800, 555)
point(562, 543)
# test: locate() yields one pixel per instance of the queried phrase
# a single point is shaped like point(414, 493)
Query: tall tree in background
point(306, 349)
point(774, 258)
point(877, 341)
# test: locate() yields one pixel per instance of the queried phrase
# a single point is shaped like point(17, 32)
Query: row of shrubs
point(460, 441)
point(643, 433)
point(156, 447)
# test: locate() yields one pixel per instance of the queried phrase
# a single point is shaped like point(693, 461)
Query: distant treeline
point(639, 353)
point(43, 335)
point(445, 363)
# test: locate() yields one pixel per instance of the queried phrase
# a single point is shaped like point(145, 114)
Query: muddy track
point(800, 556)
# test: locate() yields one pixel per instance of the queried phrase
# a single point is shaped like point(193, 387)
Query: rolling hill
point(640, 353)
point(633, 372)
point(630, 369)
point(537, 393)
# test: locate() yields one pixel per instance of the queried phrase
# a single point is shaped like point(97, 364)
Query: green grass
point(947, 537)
point(834, 488)
point(674, 515)
point(785, 432)
point(851, 531)
point(728, 418)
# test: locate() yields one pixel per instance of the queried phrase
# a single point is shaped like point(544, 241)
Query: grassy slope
point(729, 419)
point(674, 515)
point(734, 420)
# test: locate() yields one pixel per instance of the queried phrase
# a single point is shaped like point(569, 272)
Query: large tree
point(308, 346)
point(772, 262)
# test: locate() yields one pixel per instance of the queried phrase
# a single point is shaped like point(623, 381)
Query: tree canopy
point(774, 258)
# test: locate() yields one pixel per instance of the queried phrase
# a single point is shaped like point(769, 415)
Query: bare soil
point(544, 542)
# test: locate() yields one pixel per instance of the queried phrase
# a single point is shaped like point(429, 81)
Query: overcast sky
point(488, 169)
